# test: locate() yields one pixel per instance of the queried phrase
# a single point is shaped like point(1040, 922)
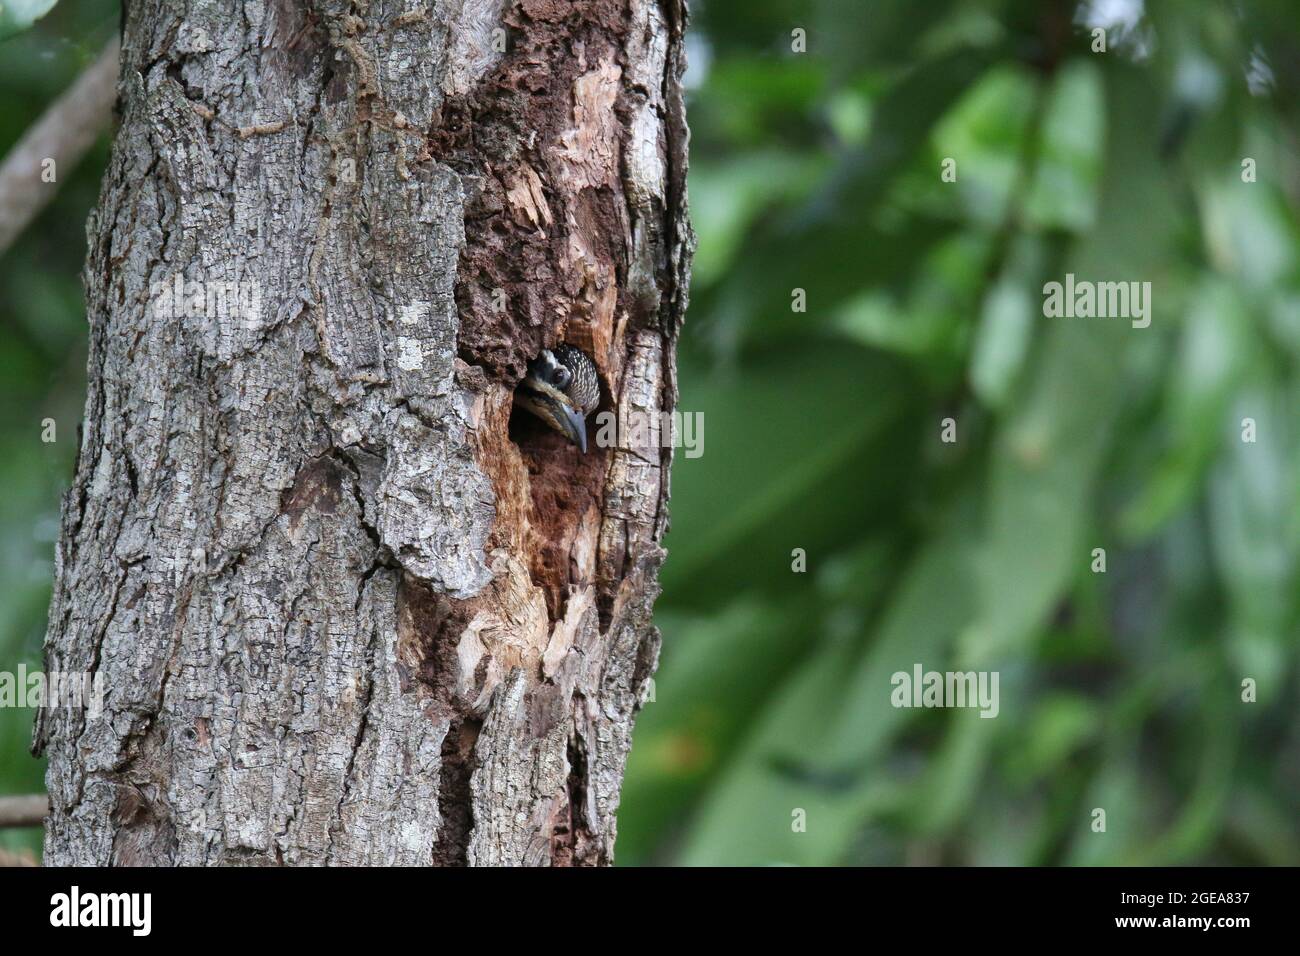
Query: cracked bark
point(348, 609)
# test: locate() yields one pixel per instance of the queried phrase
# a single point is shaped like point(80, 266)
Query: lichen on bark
point(347, 610)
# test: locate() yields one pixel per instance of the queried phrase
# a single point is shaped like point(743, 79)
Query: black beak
point(548, 404)
point(575, 427)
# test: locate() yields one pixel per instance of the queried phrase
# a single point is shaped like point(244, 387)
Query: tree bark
point(347, 609)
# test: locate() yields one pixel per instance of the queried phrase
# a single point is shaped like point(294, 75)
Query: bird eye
point(562, 377)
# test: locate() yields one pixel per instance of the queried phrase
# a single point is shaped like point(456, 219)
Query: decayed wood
point(346, 609)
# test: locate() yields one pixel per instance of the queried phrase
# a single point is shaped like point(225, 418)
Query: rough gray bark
point(346, 610)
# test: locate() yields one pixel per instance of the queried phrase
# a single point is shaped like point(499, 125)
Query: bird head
point(561, 388)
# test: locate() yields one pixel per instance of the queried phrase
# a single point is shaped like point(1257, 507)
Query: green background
point(771, 738)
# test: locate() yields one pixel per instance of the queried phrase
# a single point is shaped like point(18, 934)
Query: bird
point(561, 388)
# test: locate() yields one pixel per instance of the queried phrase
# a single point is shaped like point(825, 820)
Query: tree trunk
point(346, 609)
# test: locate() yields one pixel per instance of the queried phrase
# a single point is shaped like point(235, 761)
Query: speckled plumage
point(584, 385)
point(561, 388)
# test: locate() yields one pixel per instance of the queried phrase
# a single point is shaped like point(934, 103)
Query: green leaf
point(1047, 455)
point(946, 791)
point(821, 247)
point(1254, 522)
point(1043, 466)
point(1007, 320)
point(727, 196)
point(1214, 348)
point(1058, 726)
point(815, 750)
point(750, 817)
point(984, 132)
point(1064, 192)
point(716, 673)
point(930, 323)
point(783, 431)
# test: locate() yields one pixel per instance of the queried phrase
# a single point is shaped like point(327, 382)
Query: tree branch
point(67, 130)
point(23, 811)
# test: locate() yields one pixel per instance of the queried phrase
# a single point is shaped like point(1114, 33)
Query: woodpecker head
point(561, 388)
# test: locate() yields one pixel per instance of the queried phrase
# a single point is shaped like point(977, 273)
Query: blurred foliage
point(42, 358)
point(18, 15)
point(821, 171)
